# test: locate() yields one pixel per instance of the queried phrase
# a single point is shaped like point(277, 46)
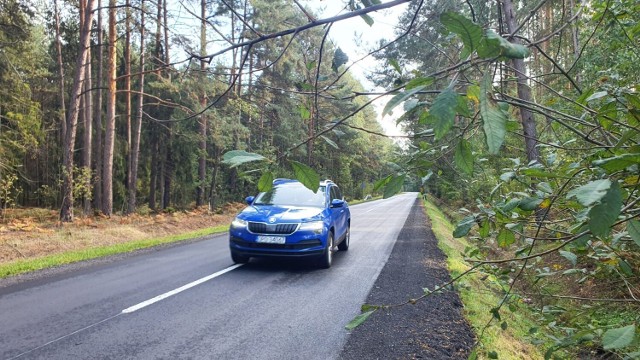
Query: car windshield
point(291, 194)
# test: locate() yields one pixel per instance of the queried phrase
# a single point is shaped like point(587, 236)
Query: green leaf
point(396, 66)
point(234, 158)
point(380, 183)
point(496, 313)
point(473, 355)
point(485, 229)
point(266, 181)
point(419, 81)
point(443, 112)
point(625, 267)
point(492, 354)
point(510, 205)
point(505, 238)
point(339, 58)
point(473, 93)
point(573, 258)
point(618, 338)
point(504, 325)
point(494, 120)
point(529, 204)
point(605, 214)
point(358, 320)
point(306, 175)
point(399, 98)
point(368, 307)
point(305, 114)
point(536, 172)
point(464, 157)
point(367, 19)
point(493, 45)
point(330, 142)
point(545, 187)
point(633, 228)
point(591, 192)
point(469, 32)
point(464, 226)
point(311, 65)
point(598, 95)
point(393, 186)
point(462, 108)
point(618, 162)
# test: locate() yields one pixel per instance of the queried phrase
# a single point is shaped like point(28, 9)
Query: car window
point(292, 194)
point(338, 193)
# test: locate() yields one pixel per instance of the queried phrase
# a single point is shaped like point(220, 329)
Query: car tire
point(327, 257)
point(239, 259)
point(344, 245)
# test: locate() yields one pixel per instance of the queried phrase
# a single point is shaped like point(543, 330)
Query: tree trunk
point(63, 111)
point(135, 151)
point(88, 122)
point(66, 210)
point(214, 178)
point(168, 170)
point(524, 92)
point(97, 118)
point(154, 175)
point(575, 37)
point(109, 141)
point(168, 166)
point(155, 133)
point(202, 124)
point(127, 88)
point(166, 41)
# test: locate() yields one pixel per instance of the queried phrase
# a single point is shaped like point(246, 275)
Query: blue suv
point(291, 220)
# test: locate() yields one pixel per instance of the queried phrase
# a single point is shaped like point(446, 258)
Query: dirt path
point(434, 327)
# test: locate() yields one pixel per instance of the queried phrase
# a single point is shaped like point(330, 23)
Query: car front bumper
point(293, 247)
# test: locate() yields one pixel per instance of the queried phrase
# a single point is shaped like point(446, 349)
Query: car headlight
point(315, 226)
point(239, 223)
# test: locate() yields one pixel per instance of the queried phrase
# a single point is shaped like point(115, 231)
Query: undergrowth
point(511, 336)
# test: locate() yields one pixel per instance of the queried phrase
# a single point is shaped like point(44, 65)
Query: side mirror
point(249, 200)
point(337, 203)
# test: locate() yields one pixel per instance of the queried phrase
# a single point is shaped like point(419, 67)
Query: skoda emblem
point(272, 220)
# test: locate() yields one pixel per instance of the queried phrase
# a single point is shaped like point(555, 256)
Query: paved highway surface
point(190, 301)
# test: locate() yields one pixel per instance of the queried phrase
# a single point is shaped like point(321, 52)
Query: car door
point(338, 215)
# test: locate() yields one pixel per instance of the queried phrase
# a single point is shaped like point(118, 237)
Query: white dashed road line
point(178, 290)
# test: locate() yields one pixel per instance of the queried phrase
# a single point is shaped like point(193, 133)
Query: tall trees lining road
point(152, 126)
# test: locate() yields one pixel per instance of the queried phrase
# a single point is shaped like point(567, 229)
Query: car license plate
point(271, 239)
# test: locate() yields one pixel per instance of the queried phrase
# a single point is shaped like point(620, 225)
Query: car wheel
point(239, 259)
point(327, 257)
point(344, 245)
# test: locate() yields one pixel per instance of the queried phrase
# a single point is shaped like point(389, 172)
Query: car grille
point(280, 229)
point(305, 244)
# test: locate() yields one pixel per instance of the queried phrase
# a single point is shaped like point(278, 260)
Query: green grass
point(360, 201)
point(480, 294)
point(23, 266)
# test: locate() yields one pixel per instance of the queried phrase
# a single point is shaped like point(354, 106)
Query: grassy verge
point(27, 265)
point(506, 338)
point(360, 201)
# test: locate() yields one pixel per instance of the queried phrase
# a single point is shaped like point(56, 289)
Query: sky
point(355, 37)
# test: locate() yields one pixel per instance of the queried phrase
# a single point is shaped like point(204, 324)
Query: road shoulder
point(432, 328)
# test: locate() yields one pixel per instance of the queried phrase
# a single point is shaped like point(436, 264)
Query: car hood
point(273, 214)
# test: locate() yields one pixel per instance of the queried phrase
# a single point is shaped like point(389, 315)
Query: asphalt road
point(190, 301)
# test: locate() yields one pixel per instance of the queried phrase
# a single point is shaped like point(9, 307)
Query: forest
point(112, 107)
point(522, 121)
